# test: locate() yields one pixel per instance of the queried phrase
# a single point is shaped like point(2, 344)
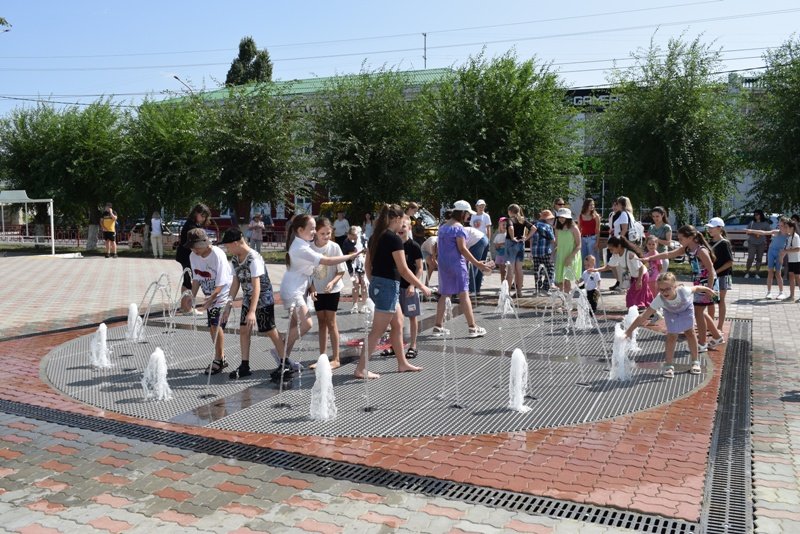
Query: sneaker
point(747, 275)
point(757, 277)
point(476, 331)
point(669, 371)
point(290, 364)
point(715, 342)
point(288, 374)
point(614, 287)
point(241, 372)
point(702, 348)
point(781, 296)
point(440, 331)
point(770, 295)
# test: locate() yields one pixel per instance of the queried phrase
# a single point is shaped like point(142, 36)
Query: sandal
point(387, 352)
point(216, 367)
point(476, 331)
point(669, 371)
point(411, 354)
point(695, 370)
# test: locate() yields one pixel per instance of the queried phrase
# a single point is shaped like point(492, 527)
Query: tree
point(4, 22)
point(367, 138)
point(774, 129)
point(500, 130)
point(671, 137)
point(251, 65)
point(254, 144)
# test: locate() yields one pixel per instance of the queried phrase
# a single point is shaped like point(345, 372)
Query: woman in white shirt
point(156, 235)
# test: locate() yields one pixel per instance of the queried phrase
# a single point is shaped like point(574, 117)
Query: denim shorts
point(514, 252)
point(725, 282)
point(385, 293)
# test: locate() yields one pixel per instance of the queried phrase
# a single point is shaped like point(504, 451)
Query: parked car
point(168, 236)
point(736, 224)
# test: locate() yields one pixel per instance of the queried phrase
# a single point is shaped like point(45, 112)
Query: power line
point(373, 38)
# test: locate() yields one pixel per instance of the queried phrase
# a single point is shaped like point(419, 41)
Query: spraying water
point(154, 381)
point(505, 306)
point(518, 382)
point(621, 365)
point(323, 401)
point(584, 319)
point(135, 331)
point(633, 313)
point(99, 348)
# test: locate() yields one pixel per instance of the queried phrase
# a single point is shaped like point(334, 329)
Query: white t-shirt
point(622, 219)
point(323, 274)
point(213, 271)
point(473, 235)
point(155, 225)
point(591, 280)
point(428, 244)
point(303, 259)
point(682, 293)
point(793, 242)
point(634, 264)
point(340, 227)
point(482, 222)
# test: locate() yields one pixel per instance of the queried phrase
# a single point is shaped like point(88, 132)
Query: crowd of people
point(386, 264)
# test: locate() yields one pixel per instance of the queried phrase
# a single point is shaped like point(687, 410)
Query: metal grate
point(507, 500)
point(728, 503)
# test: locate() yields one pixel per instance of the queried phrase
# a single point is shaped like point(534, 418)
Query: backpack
point(635, 231)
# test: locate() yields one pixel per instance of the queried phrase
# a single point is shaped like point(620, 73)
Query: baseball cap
point(463, 205)
point(231, 235)
point(481, 202)
point(196, 236)
point(716, 222)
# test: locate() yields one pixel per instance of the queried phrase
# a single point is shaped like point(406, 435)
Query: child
point(109, 225)
point(655, 269)
point(723, 264)
point(625, 258)
point(517, 233)
point(300, 263)
point(591, 282)
point(356, 242)
point(430, 255)
point(499, 245)
point(677, 303)
point(409, 298)
point(701, 259)
point(211, 272)
point(453, 276)
point(258, 302)
point(326, 289)
point(774, 266)
point(792, 250)
point(541, 250)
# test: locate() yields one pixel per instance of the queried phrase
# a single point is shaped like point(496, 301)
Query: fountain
point(633, 314)
point(518, 382)
point(621, 365)
point(154, 381)
point(99, 348)
point(135, 331)
point(323, 401)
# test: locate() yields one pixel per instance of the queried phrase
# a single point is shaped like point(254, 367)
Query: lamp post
point(191, 91)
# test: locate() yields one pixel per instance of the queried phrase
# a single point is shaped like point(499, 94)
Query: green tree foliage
point(500, 130)
point(367, 138)
point(773, 146)
point(4, 22)
point(163, 155)
point(254, 144)
point(251, 65)
point(672, 136)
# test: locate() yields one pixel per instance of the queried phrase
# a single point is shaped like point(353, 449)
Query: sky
point(78, 51)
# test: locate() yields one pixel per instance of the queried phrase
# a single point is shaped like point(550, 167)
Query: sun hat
point(231, 235)
point(546, 214)
point(481, 202)
point(715, 222)
point(463, 205)
point(564, 212)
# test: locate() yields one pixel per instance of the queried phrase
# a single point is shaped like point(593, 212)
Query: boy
point(211, 272)
point(591, 282)
point(541, 251)
point(409, 298)
point(258, 301)
point(108, 223)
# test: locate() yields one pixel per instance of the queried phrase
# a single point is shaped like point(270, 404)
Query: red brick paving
point(658, 463)
point(171, 516)
point(372, 498)
point(36, 528)
point(110, 525)
point(170, 474)
point(310, 525)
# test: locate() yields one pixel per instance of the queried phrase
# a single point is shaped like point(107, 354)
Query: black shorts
point(794, 267)
point(265, 318)
point(327, 302)
point(109, 236)
point(214, 316)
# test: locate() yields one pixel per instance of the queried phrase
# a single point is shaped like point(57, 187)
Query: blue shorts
point(385, 293)
point(514, 252)
point(772, 259)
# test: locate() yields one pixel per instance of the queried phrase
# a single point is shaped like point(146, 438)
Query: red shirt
point(587, 228)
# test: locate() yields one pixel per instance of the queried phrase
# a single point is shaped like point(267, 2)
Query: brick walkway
point(653, 461)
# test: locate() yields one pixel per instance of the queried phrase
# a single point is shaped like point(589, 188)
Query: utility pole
point(191, 92)
point(425, 50)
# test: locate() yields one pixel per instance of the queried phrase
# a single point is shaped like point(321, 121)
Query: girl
point(756, 244)
point(453, 277)
point(589, 225)
point(430, 254)
point(499, 246)
point(385, 264)
point(774, 266)
point(655, 267)
point(300, 263)
point(624, 220)
point(663, 233)
point(625, 258)
point(326, 289)
point(792, 250)
point(198, 218)
point(517, 233)
point(409, 298)
point(368, 225)
point(723, 264)
point(355, 243)
point(676, 301)
point(156, 235)
point(696, 249)
point(568, 250)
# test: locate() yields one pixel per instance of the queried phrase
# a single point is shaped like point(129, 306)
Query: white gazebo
point(20, 196)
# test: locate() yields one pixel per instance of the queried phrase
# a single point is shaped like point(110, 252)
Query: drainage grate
point(728, 503)
point(507, 500)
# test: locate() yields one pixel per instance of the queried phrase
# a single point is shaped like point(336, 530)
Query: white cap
point(564, 212)
point(463, 205)
point(716, 222)
point(481, 202)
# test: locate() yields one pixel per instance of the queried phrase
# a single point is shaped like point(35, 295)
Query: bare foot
point(408, 368)
point(335, 364)
point(370, 374)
